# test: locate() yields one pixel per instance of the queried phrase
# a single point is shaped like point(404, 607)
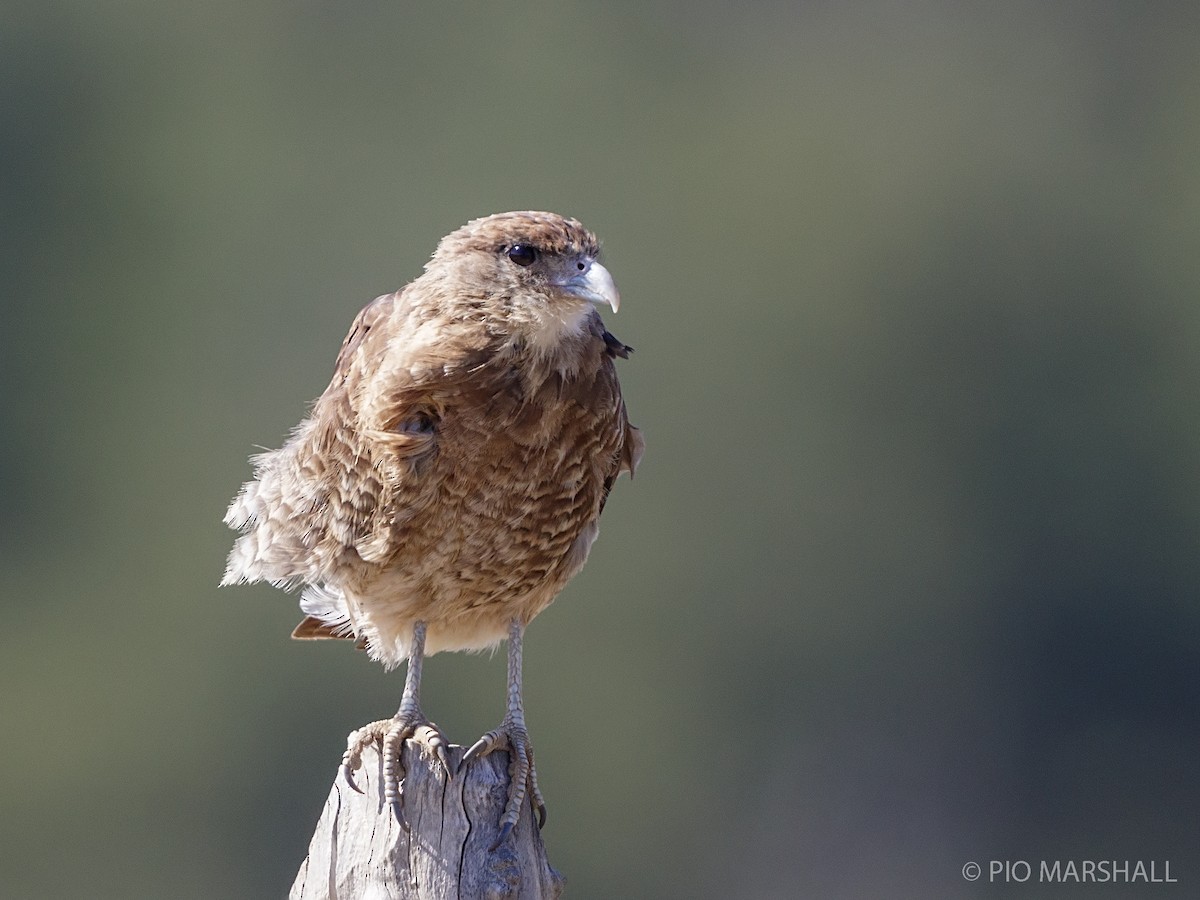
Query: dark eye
point(522, 254)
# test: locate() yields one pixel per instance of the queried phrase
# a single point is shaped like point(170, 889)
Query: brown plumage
point(448, 482)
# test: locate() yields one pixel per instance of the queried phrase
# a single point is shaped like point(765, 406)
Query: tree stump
point(359, 849)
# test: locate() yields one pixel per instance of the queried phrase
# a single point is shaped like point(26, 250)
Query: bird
point(448, 482)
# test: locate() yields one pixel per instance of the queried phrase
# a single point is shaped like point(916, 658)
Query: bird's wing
point(397, 373)
point(348, 479)
point(632, 449)
point(375, 312)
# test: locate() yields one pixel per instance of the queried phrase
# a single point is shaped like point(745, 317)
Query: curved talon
point(482, 747)
point(505, 830)
point(356, 742)
point(434, 739)
point(348, 775)
point(522, 774)
point(391, 735)
point(350, 763)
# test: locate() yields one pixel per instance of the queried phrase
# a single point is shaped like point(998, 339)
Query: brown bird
point(447, 484)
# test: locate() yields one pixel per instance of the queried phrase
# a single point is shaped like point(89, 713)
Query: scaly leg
point(409, 722)
point(511, 735)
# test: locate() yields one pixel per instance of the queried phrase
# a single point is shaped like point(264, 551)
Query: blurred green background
point(909, 576)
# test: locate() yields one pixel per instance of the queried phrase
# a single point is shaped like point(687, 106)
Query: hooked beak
point(595, 285)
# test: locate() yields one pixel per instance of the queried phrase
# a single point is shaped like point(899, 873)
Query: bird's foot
point(522, 773)
point(391, 734)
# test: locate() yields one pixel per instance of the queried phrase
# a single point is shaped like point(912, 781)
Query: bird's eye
point(522, 254)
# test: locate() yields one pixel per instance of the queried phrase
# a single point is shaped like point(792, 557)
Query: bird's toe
point(390, 735)
point(522, 773)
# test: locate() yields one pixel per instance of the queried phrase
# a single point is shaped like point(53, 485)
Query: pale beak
point(595, 285)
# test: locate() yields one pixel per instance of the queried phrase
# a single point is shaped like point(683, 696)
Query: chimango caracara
point(449, 481)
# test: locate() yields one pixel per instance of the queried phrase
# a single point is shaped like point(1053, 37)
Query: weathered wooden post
point(359, 849)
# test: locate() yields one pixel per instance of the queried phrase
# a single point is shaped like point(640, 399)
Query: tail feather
point(326, 614)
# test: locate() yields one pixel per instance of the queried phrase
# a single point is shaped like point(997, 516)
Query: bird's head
point(540, 269)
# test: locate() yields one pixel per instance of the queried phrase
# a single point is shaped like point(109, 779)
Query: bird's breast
point(518, 474)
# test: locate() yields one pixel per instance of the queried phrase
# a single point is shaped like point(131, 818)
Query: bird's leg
point(511, 735)
point(409, 722)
